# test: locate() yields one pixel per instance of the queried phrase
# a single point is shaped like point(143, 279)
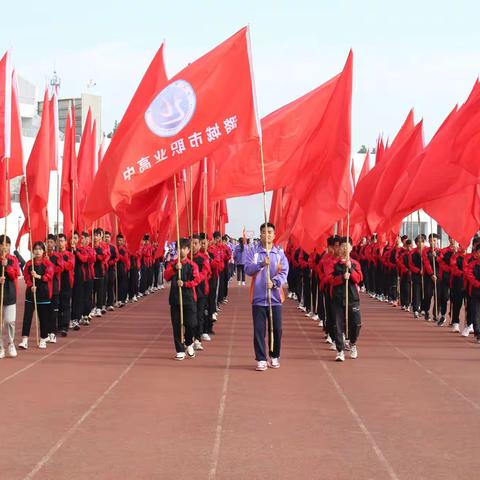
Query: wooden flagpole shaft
point(411, 277)
point(116, 264)
point(179, 271)
point(73, 208)
point(37, 325)
point(4, 254)
point(435, 299)
point(421, 261)
point(187, 206)
point(205, 184)
point(348, 259)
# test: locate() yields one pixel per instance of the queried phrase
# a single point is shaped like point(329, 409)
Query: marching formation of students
point(426, 280)
point(71, 281)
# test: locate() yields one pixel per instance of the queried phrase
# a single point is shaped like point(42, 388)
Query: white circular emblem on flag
point(172, 109)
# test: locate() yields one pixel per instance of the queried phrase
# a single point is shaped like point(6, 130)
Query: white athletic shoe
point(243, 284)
point(191, 351)
point(353, 351)
point(98, 312)
point(328, 340)
point(340, 357)
point(24, 343)
point(309, 314)
point(261, 366)
point(206, 337)
point(470, 329)
point(302, 308)
point(320, 323)
point(180, 356)
point(214, 316)
point(197, 345)
point(11, 350)
point(111, 308)
point(290, 295)
point(51, 338)
point(332, 347)
point(466, 331)
point(315, 318)
point(455, 328)
point(162, 287)
point(274, 363)
point(43, 343)
point(2, 352)
point(135, 298)
point(70, 325)
point(294, 296)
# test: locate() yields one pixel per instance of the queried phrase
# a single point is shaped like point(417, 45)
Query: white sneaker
point(11, 350)
point(302, 308)
point(290, 295)
point(320, 323)
point(243, 284)
point(309, 314)
point(2, 352)
point(455, 327)
point(274, 363)
point(294, 296)
point(466, 331)
point(162, 287)
point(214, 316)
point(43, 343)
point(51, 338)
point(353, 351)
point(197, 345)
point(316, 318)
point(98, 312)
point(24, 343)
point(470, 329)
point(191, 351)
point(70, 325)
point(180, 356)
point(332, 347)
point(206, 337)
point(261, 366)
point(328, 340)
point(111, 308)
point(135, 299)
point(340, 357)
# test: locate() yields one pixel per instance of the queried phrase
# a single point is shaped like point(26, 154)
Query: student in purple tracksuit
point(240, 257)
point(255, 266)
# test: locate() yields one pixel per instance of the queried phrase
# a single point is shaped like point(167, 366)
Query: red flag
point(38, 178)
point(15, 166)
point(286, 136)
point(206, 106)
point(53, 106)
point(69, 175)
point(5, 106)
point(85, 168)
point(380, 150)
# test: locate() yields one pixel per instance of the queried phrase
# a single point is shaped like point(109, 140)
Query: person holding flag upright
point(268, 267)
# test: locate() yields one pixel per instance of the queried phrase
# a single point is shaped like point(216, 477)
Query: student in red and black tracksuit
point(146, 262)
point(183, 274)
point(305, 273)
point(57, 261)
point(346, 272)
point(111, 271)
point(473, 274)
point(10, 272)
point(415, 265)
point(457, 287)
point(405, 275)
point(207, 323)
point(99, 272)
point(445, 278)
point(88, 308)
point(203, 263)
point(133, 280)
point(66, 285)
point(42, 272)
point(123, 267)
point(430, 276)
point(216, 263)
point(468, 276)
point(80, 276)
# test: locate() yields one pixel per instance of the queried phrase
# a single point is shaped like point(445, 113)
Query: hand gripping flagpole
point(179, 263)
point(259, 129)
point(4, 253)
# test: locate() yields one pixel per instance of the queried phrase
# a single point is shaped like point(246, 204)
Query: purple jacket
point(255, 267)
point(239, 256)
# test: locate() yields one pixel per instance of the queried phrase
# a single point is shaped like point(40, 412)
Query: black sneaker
point(63, 333)
point(441, 322)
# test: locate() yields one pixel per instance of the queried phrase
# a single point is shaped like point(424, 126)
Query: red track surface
point(109, 402)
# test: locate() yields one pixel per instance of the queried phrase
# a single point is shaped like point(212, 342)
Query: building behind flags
point(206, 106)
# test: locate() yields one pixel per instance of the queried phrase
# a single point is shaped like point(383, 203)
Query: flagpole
point(190, 220)
point(179, 263)
point(4, 254)
point(33, 261)
point(421, 260)
point(116, 264)
point(205, 184)
point(435, 299)
point(348, 260)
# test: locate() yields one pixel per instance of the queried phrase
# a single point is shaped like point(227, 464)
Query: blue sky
point(423, 54)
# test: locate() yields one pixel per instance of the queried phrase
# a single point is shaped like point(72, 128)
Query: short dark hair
point(196, 236)
point(62, 235)
point(51, 236)
point(226, 238)
point(85, 234)
point(408, 242)
point(107, 233)
point(5, 239)
point(74, 233)
point(420, 238)
point(268, 225)
point(432, 235)
point(346, 240)
point(146, 237)
point(184, 243)
point(477, 246)
point(217, 234)
point(120, 236)
point(337, 239)
point(98, 231)
point(403, 238)
point(203, 236)
point(330, 241)
point(38, 244)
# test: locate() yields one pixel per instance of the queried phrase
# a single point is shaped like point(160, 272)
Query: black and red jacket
point(203, 262)
point(190, 276)
point(81, 270)
point(99, 266)
point(44, 285)
point(57, 261)
point(472, 272)
point(12, 272)
point(67, 277)
point(338, 282)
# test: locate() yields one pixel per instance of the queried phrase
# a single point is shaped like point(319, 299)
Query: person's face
point(62, 243)
point(345, 249)
point(85, 241)
point(74, 240)
point(184, 251)
point(38, 252)
point(336, 249)
point(217, 239)
point(267, 235)
point(433, 242)
point(120, 242)
point(98, 237)
point(5, 248)
point(195, 245)
point(108, 237)
point(204, 245)
point(420, 244)
point(50, 244)
point(452, 242)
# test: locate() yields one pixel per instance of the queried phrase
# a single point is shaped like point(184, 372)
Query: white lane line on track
point(44, 357)
point(378, 452)
point(46, 458)
point(221, 408)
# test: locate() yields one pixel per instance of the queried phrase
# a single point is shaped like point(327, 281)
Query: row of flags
point(200, 132)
